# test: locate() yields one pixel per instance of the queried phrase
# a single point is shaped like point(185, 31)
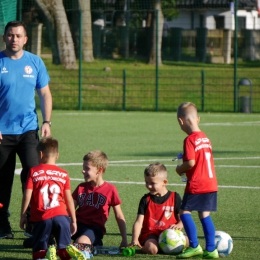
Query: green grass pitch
point(132, 140)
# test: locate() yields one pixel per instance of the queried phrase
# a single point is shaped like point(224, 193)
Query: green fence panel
point(8, 11)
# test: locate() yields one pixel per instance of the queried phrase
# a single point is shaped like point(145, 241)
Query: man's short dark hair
point(14, 24)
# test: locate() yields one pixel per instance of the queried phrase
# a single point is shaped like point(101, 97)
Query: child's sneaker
point(28, 230)
point(210, 255)
point(51, 253)
point(87, 254)
point(75, 253)
point(190, 252)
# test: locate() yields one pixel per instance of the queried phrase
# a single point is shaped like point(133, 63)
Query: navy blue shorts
point(58, 226)
point(94, 233)
point(149, 237)
point(199, 202)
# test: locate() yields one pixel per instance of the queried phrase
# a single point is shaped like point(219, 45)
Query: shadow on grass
point(247, 239)
point(12, 258)
point(117, 234)
point(254, 239)
point(14, 249)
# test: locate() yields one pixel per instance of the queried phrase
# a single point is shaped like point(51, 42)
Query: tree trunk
point(64, 37)
point(55, 13)
point(152, 58)
point(87, 47)
point(50, 24)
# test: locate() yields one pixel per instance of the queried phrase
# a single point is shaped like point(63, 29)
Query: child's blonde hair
point(97, 158)
point(155, 169)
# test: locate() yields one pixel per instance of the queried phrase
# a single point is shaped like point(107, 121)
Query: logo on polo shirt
point(28, 70)
point(4, 70)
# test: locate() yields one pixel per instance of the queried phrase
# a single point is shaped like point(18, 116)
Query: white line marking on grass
point(238, 158)
point(144, 160)
point(18, 172)
point(232, 124)
point(170, 160)
point(172, 184)
point(123, 163)
point(173, 165)
point(83, 114)
point(158, 160)
point(237, 166)
point(239, 187)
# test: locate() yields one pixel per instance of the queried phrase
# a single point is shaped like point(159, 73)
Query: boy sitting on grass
point(158, 210)
point(93, 200)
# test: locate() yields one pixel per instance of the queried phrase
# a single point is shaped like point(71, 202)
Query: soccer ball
point(172, 241)
point(224, 243)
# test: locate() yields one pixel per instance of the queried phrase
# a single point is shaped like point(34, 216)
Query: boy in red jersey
point(48, 193)
point(93, 200)
point(201, 189)
point(158, 210)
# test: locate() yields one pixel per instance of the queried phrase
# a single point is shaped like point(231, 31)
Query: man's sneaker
point(6, 232)
point(210, 255)
point(190, 252)
point(2, 233)
point(75, 253)
point(51, 253)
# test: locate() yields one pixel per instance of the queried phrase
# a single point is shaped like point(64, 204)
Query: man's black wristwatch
point(47, 122)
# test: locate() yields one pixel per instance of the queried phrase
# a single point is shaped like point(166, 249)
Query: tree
point(86, 30)
point(164, 9)
point(156, 44)
point(57, 23)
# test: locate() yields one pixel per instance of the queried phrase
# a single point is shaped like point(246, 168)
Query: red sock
point(39, 254)
point(63, 254)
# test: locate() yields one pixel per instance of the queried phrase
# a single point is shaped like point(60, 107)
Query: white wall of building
point(184, 19)
point(210, 22)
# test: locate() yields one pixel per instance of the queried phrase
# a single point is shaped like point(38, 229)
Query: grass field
point(132, 140)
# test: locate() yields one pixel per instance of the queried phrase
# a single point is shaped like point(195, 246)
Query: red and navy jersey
point(94, 203)
point(159, 214)
point(48, 183)
point(201, 178)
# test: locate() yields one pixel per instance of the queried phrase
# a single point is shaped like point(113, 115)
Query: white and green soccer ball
point(172, 241)
point(224, 243)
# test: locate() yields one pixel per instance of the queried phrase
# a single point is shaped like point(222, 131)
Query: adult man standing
point(21, 73)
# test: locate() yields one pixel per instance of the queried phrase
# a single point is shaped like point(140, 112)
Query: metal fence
point(212, 90)
point(154, 88)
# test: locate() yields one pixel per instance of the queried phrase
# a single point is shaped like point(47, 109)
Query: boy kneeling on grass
point(48, 192)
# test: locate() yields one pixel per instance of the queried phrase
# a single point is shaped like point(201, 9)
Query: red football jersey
point(158, 217)
point(201, 178)
point(48, 183)
point(94, 203)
